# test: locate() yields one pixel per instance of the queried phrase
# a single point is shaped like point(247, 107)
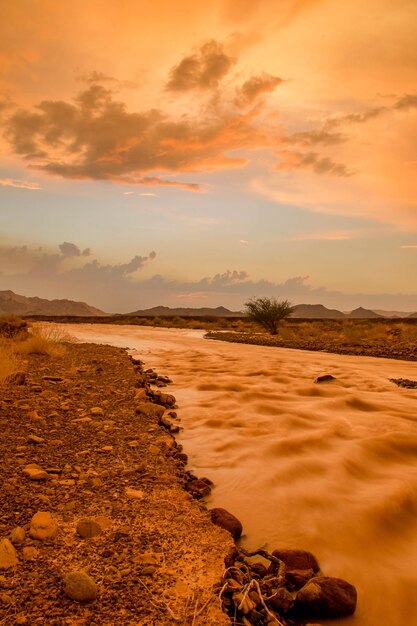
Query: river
point(330, 468)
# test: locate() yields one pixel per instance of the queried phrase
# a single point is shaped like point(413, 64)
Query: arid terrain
point(74, 446)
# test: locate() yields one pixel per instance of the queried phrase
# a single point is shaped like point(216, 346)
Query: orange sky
point(310, 104)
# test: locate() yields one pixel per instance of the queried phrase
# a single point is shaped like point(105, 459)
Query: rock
point(35, 473)
point(80, 586)
point(149, 409)
point(88, 528)
point(259, 568)
point(30, 553)
point(35, 439)
point(105, 449)
point(43, 526)
point(137, 494)
point(326, 378)
point(297, 578)
point(34, 415)
point(19, 378)
point(297, 559)
point(6, 599)
point(96, 410)
point(281, 601)
point(166, 399)
point(325, 597)
point(198, 488)
point(18, 535)
point(226, 520)
point(8, 556)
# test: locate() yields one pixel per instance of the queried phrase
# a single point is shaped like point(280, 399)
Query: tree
point(268, 312)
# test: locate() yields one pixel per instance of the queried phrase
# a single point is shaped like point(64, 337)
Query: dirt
point(156, 556)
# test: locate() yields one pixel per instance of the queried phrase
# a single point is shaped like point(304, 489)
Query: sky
point(196, 153)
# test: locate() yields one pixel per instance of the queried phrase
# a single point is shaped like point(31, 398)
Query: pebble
point(30, 553)
point(43, 526)
point(80, 586)
point(96, 410)
point(18, 535)
point(8, 556)
point(35, 439)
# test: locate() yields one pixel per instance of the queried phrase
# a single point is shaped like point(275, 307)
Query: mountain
point(361, 314)
point(413, 315)
point(384, 313)
point(164, 311)
point(11, 302)
point(316, 311)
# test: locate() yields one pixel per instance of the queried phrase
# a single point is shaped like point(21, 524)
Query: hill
point(316, 311)
point(164, 311)
point(361, 314)
point(13, 303)
point(412, 316)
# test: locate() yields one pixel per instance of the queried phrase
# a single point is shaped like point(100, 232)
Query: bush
point(47, 339)
point(8, 361)
point(268, 312)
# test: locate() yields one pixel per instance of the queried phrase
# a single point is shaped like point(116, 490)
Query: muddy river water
point(331, 468)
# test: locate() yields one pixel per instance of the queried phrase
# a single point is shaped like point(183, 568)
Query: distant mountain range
point(11, 302)
point(305, 311)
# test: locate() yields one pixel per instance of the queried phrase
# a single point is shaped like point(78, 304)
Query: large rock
point(80, 586)
point(8, 557)
point(297, 559)
point(226, 520)
point(325, 597)
point(43, 526)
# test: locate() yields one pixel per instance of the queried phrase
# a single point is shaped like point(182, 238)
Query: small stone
point(106, 449)
point(96, 410)
point(8, 556)
point(226, 520)
point(43, 526)
point(149, 409)
point(198, 488)
point(30, 553)
point(35, 439)
point(18, 535)
point(80, 586)
point(133, 444)
point(34, 415)
point(88, 528)
point(20, 620)
point(282, 601)
point(35, 473)
point(137, 494)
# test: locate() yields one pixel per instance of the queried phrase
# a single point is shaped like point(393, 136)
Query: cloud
point(96, 138)
point(155, 181)
point(313, 137)
point(256, 86)
point(202, 70)
point(94, 77)
point(19, 184)
point(409, 247)
point(293, 160)
point(69, 249)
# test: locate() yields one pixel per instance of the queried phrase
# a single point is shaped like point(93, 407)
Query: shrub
point(8, 361)
point(268, 312)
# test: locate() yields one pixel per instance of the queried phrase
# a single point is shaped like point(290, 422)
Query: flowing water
point(331, 468)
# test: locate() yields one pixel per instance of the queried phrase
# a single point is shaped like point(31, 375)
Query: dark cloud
point(409, 101)
point(256, 86)
point(69, 249)
point(97, 138)
point(314, 137)
point(94, 77)
point(202, 70)
point(293, 160)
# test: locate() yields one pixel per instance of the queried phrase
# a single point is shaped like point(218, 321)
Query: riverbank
point(110, 479)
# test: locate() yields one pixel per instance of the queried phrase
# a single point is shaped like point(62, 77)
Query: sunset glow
point(200, 153)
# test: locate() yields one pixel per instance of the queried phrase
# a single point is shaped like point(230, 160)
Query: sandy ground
point(331, 468)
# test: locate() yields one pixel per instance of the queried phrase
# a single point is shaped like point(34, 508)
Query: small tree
point(268, 312)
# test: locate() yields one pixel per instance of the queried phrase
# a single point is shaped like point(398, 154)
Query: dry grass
point(45, 339)
point(8, 360)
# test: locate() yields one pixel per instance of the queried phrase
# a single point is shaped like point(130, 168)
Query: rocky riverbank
point(96, 526)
